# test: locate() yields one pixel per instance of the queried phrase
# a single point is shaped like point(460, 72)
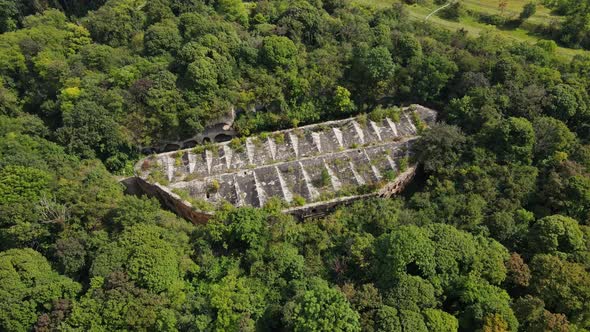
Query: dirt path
point(440, 8)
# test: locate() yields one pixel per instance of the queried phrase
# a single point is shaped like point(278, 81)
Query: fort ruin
point(309, 169)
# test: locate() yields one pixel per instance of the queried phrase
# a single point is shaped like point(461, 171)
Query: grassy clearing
point(513, 9)
point(419, 13)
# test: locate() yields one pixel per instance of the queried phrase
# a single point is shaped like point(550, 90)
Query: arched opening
point(148, 151)
point(189, 144)
point(206, 140)
point(223, 138)
point(171, 147)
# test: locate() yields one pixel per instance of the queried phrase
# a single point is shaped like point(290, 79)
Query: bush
point(325, 178)
point(380, 113)
point(528, 10)
point(299, 200)
point(493, 19)
point(452, 12)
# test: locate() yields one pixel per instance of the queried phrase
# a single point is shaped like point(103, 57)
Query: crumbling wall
point(172, 201)
point(401, 182)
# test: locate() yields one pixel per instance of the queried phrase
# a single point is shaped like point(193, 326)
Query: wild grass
point(490, 7)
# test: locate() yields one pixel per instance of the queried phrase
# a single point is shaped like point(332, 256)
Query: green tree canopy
point(278, 51)
point(28, 287)
point(322, 308)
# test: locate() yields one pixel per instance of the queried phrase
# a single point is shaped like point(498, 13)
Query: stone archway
point(223, 138)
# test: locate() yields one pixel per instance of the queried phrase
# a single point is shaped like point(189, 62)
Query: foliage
point(322, 308)
point(528, 10)
point(440, 148)
point(278, 51)
point(562, 285)
point(492, 236)
point(29, 286)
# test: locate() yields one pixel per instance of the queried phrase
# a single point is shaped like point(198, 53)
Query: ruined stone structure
point(311, 168)
point(219, 130)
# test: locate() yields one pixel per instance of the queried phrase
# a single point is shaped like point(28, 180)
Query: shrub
point(298, 200)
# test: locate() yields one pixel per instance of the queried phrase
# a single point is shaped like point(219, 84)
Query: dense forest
point(497, 238)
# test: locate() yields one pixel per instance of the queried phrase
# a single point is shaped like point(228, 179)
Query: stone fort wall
point(312, 168)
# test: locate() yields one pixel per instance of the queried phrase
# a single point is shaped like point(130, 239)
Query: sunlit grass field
point(514, 7)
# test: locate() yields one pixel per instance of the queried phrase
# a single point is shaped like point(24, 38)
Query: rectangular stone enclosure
point(306, 168)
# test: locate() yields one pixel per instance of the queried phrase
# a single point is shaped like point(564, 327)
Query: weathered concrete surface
point(317, 166)
point(321, 208)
